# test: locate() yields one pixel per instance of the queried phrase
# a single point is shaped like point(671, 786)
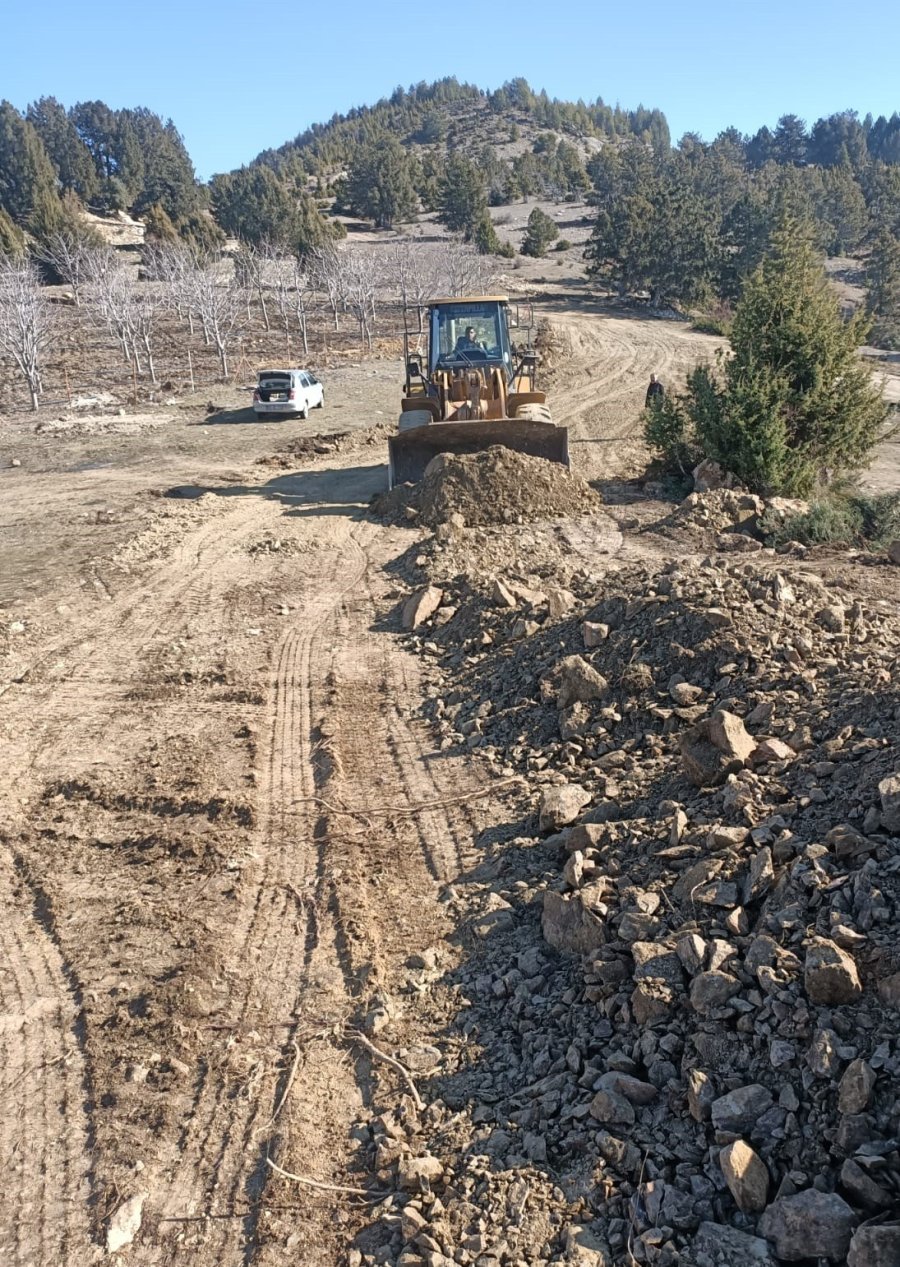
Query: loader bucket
point(409, 452)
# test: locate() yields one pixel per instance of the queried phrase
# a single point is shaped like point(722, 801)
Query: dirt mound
point(307, 448)
point(497, 486)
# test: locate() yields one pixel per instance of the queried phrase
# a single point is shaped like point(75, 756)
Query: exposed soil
point(230, 841)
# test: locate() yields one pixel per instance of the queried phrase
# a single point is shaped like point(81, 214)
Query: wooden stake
point(191, 370)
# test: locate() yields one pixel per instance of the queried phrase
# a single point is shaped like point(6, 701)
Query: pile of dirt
point(78, 427)
point(307, 448)
point(497, 486)
point(685, 1013)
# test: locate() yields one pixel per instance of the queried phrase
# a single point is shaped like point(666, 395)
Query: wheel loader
point(472, 389)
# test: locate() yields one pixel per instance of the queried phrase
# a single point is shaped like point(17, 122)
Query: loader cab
point(465, 333)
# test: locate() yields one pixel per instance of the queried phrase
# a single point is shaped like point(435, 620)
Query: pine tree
point(883, 278)
point(793, 402)
point(462, 199)
point(380, 184)
point(27, 178)
point(67, 151)
point(12, 239)
point(540, 233)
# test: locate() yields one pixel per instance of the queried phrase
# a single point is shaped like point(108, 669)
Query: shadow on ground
point(344, 488)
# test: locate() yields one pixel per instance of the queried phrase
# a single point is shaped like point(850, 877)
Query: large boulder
point(421, 606)
point(738, 1111)
point(830, 974)
point(811, 1224)
point(877, 1245)
point(569, 925)
point(561, 806)
point(579, 682)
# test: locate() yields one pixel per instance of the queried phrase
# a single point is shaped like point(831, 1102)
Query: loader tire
point(534, 413)
point(411, 418)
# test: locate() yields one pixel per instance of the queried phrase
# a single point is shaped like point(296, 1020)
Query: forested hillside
point(686, 222)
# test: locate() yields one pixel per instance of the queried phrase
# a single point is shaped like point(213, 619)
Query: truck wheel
point(534, 413)
point(304, 413)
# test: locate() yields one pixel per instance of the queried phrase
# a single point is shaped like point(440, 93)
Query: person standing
point(655, 392)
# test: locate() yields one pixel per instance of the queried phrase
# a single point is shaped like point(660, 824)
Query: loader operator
point(468, 343)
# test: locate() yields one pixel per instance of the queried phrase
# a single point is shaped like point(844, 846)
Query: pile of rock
point(496, 486)
point(685, 1035)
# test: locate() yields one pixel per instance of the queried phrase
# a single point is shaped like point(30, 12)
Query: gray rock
point(746, 1176)
point(811, 1224)
point(651, 1000)
point(687, 885)
point(728, 1247)
point(562, 805)
point(856, 1087)
point(421, 606)
point(737, 1112)
point(889, 991)
point(701, 1095)
point(594, 632)
point(633, 1089)
point(831, 618)
point(125, 1223)
point(823, 1057)
point(728, 734)
point(691, 950)
point(579, 682)
point(877, 1245)
point(569, 925)
point(889, 791)
point(711, 990)
point(705, 764)
point(574, 721)
point(830, 974)
point(416, 1174)
point(612, 1109)
point(560, 602)
point(861, 1189)
point(893, 552)
point(653, 959)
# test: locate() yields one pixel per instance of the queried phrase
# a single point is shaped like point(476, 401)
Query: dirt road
point(223, 834)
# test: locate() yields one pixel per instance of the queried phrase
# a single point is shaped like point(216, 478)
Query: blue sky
point(239, 77)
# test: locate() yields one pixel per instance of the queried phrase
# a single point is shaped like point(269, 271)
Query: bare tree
point(174, 267)
point(74, 258)
point(329, 265)
point(26, 321)
point(252, 263)
point(110, 294)
point(466, 272)
point(363, 274)
point(219, 301)
point(415, 269)
point(303, 292)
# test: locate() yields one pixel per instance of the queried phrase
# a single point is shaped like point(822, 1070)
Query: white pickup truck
point(287, 392)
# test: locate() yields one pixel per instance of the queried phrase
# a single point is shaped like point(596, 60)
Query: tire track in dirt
point(93, 695)
point(45, 1134)
point(388, 845)
point(598, 389)
point(221, 1159)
